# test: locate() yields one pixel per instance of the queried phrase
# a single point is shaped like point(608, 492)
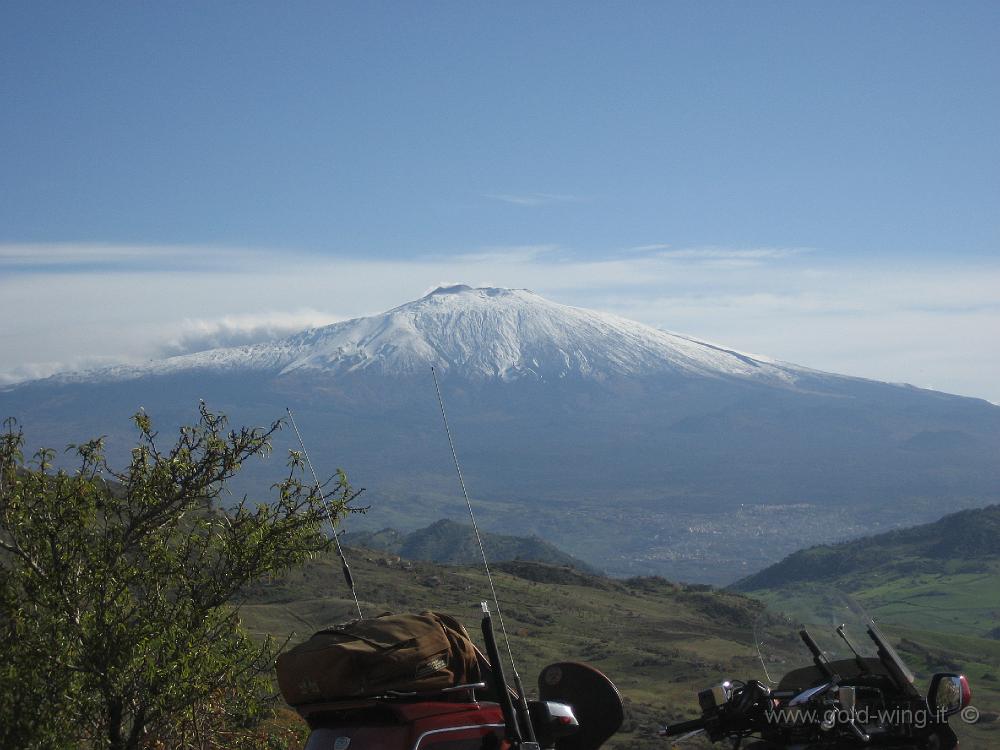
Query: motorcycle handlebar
point(684, 727)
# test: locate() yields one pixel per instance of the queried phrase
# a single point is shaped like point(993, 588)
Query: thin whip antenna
point(336, 537)
point(479, 539)
point(760, 656)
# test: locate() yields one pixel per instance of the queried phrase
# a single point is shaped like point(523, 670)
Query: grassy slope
point(659, 642)
point(937, 586)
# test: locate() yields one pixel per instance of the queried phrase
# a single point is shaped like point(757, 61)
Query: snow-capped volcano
point(481, 333)
point(509, 334)
point(638, 450)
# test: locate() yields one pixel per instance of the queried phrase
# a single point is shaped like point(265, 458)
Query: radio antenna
point(479, 539)
point(333, 529)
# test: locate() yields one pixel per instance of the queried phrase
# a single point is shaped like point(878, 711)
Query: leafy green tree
point(120, 590)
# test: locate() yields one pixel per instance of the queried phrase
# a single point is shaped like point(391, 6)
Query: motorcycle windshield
point(836, 624)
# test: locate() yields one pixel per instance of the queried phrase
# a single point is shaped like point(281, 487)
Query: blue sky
point(826, 171)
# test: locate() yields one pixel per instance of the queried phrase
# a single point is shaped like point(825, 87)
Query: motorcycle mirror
point(948, 693)
point(595, 700)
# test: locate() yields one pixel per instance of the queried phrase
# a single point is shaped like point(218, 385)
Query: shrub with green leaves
point(120, 590)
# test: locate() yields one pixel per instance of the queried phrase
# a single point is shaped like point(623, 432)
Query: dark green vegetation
point(118, 628)
point(936, 585)
point(449, 542)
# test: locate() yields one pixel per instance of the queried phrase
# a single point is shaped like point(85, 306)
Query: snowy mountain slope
point(510, 334)
point(480, 334)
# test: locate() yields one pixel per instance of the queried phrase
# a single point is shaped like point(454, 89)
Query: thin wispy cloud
point(101, 258)
point(716, 253)
point(729, 253)
point(648, 248)
point(503, 254)
point(533, 199)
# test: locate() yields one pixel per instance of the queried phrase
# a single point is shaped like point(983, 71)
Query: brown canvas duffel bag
point(405, 653)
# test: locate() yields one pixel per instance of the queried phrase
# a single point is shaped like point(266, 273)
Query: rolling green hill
point(970, 537)
point(660, 642)
point(936, 587)
point(944, 575)
point(449, 542)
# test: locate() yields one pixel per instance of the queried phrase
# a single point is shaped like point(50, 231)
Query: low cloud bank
point(241, 330)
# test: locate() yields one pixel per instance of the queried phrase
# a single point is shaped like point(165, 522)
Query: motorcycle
point(578, 709)
point(864, 696)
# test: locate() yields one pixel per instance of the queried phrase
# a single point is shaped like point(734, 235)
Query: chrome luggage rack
point(393, 696)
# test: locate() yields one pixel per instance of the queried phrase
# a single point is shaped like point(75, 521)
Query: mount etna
point(634, 449)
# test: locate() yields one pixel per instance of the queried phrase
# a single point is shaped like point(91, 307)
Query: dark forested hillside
point(449, 542)
point(967, 540)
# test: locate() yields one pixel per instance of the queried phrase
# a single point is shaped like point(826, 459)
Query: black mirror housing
point(551, 721)
point(596, 702)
